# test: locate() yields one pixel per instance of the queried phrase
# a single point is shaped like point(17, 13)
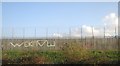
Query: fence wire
point(90, 38)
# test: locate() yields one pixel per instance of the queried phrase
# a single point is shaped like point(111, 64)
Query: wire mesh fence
point(90, 38)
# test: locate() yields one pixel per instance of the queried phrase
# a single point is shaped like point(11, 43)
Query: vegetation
point(70, 54)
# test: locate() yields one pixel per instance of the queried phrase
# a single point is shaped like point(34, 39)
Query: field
point(65, 51)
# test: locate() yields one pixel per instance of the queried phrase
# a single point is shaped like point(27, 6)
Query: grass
point(69, 54)
point(61, 57)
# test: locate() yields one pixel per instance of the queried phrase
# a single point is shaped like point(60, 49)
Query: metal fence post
point(81, 33)
point(46, 33)
point(93, 37)
point(105, 36)
point(35, 33)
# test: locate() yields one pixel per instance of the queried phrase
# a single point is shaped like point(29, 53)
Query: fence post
point(12, 32)
point(35, 33)
point(70, 32)
point(81, 33)
point(104, 37)
point(85, 43)
point(46, 33)
point(23, 38)
point(104, 31)
point(81, 38)
point(116, 38)
point(115, 32)
point(23, 33)
point(93, 37)
point(12, 37)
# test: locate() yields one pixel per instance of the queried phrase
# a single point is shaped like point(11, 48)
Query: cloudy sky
point(59, 19)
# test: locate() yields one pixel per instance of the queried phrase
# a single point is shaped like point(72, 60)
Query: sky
point(0, 30)
point(56, 17)
point(59, 0)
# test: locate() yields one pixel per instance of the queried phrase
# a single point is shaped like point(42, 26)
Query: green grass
point(51, 57)
point(61, 57)
point(70, 54)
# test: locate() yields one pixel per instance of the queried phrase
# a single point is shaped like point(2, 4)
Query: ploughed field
point(60, 51)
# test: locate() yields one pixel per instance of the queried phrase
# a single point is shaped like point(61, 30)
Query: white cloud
point(110, 21)
point(75, 32)
point(88, 30)
point(57, 35)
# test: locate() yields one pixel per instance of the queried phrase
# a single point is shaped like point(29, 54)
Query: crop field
point(61, 51)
